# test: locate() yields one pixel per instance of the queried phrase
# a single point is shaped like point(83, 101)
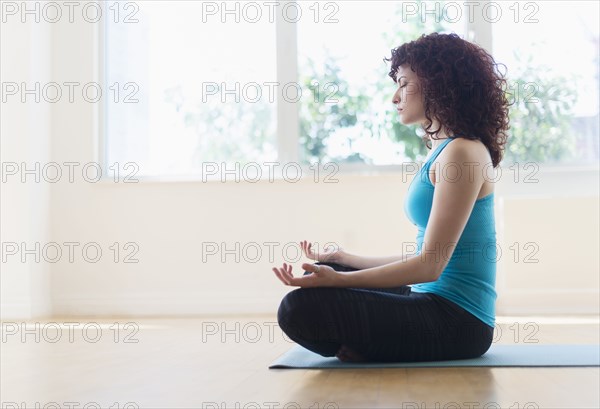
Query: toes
point(350, 354)
point(341, 354)
point(346, 354)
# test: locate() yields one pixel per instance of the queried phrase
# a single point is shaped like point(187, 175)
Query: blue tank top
point(469, 278)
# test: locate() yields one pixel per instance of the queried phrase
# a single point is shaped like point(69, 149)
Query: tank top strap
point(439, 149)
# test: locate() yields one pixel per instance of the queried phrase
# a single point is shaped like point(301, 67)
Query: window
point(175, 75)
point(551, 51)
point(197, 82)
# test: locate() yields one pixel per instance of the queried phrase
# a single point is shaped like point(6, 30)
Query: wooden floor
point(222, 362)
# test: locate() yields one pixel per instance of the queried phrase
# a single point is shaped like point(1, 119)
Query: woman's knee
point(300, 315)
point(291, 311)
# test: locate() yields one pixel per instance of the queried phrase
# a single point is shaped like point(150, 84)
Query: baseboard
point(513, 303)
point(165, 306)
point(548, 302)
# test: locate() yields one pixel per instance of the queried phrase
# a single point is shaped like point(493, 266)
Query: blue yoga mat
point(497, 355)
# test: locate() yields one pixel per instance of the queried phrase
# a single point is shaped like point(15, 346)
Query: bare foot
point(346, 354)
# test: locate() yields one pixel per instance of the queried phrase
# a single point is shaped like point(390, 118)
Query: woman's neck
point(441, 137)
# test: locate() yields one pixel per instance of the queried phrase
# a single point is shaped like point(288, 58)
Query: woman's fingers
point(313, 268)
point(310, 251)
point(280, 276)
point(284, 274)
point(307, 249)
point(288, 273)
point(277, 274)
point(304, 249)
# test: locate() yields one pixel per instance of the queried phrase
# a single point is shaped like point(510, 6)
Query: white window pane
point(362, 126)
point(180, 67)
point(550, 49)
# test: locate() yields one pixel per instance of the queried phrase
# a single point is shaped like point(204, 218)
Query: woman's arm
point(336, 254)
point(360, 262)
point(410, 270)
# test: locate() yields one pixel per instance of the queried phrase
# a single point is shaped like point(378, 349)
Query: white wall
point(25, 138)
point(170, 221)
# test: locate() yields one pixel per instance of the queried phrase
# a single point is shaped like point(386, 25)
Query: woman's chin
point(405, 121)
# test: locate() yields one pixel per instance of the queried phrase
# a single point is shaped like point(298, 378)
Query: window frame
point(478, 30)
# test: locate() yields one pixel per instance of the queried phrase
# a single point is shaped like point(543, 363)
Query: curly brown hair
point(461, 86)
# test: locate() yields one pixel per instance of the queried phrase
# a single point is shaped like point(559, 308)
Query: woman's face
point(408, 97)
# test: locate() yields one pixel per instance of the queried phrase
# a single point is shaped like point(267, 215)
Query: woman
point(438, 304)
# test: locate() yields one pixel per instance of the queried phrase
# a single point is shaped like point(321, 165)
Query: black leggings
point(382, 324)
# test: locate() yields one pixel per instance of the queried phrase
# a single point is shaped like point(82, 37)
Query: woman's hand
point(322, 276)
point(332, 254)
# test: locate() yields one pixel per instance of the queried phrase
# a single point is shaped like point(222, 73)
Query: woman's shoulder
point(466, 149)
